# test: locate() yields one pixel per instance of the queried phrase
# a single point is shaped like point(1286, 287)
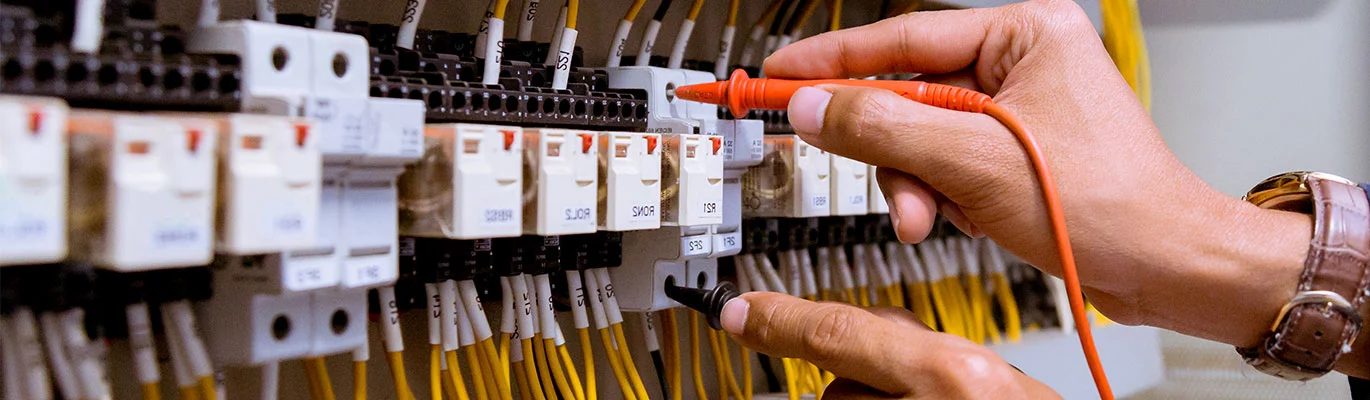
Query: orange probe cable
point(742, 94)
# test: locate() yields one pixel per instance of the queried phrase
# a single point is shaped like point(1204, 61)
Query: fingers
point(913, 208)
point(845, 340)
point(901, 316)
point(925, 42)
point(847, 389)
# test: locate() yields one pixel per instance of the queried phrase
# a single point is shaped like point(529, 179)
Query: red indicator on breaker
point(587, 142)
point(508, 140)
point(35, 121)
point(193, 140)
point(718, 144)
point(301, 134)
point(651, 145)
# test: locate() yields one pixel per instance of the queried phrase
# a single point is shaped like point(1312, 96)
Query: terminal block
point(850, 186)
point(630, 181)
point(467, 185)
point(561, 183)
point(269, 184)
point(792, 181)
point(277, 70)
point(141, 190)
point(33, 178)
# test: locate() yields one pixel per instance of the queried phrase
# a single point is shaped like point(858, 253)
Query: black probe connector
point(709, 302)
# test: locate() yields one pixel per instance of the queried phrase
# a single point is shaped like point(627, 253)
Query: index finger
point(848, 341)
point(935, 42)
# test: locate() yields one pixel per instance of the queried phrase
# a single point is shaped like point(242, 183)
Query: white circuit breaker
point(33, 180)
point(743, 147)
point(249, 328)
point(338, 323)
point(850, 186)
point(277, 70)
point(693, 167)
point(467, 185)
point(630, 179)
point(141, 190)
point(792, 181)
point(562, 186)
point(369, 224)
point(269, 179)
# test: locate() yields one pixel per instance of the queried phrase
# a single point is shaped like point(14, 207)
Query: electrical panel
point(233, 195)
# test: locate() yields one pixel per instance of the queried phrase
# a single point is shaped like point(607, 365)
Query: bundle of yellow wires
point(1125, 41)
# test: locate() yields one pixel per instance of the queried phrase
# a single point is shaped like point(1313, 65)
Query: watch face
point(1288, 191)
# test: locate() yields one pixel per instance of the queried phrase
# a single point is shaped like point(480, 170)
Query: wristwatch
point(1320, 323)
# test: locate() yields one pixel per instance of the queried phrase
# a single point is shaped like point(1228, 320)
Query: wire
point(682, 39)
point(696, 368)
point(409, 24)
point(271, 382)
point(63, 373)
point(602, 318)
point(550, 335)
point(451, 336)
point(834, 15)
point(654, 350)
point(672, 332)
point(194, 348)
point(360, 356)
point(488, 41)
point(23, 331)
point(496, 376)
point(321, 375)
point(89, 27)
point(644, 52)
point(620, 41)
point(725, 42)
point(796, 25)
point(562, 50)
point(185, 381)
point(328, 15)
point(209, 13)
point(144, 350)
point(616, 325)
point(392, 338)
point(530, 12)
point(580, 318)
point(758, 33)
point(266, 11)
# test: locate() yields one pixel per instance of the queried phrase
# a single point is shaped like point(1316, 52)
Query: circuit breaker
point(33, 180)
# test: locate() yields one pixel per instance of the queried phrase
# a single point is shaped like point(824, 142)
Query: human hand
point(1155, 245)
point(876, 353)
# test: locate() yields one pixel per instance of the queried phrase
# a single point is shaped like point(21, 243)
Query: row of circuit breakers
point(293, 160)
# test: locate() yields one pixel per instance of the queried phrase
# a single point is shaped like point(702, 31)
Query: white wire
point(566, 47)
point(465, 334)
point(530, 12)
point(480, 325)
point(451, 339)
point(89, 27)
point(390, 320)
point(58, 362)
point(619, 44)
point(271, 380)
point(524, 305)
point(180, 367)
point(484, 30)
point(25, 332)
point(596, 300)
point(649, 333)
point(409, 24)
point(576, 288)
point(328, 15)
point(758, 280)
point(877, 263)
point(725, 52)
point(508, 308)
point(749, 48)
point(140, 342)
point(195, 351)
point(534, 310)
point(824, 269)
point(209, 13)
point(772, 278)
point(266, 11)
point(551, 56)
point(494, 51)
point(434, 301)
point(806, 273)
point(545, 312)
point(843, 268)
point(860, 266)
point(14, 389)
point(644, 53)
point(682, 39)
point(744, 280)
point(610, 298)
point(794, 280)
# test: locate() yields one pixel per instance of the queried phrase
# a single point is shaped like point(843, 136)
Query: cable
point(321, 375)
point(89, 27)
point(581, 322)
point(620, 41)
point(602, 318)
point(194, 348)
point(488, 41)
point(467, 342)
point(266, 11)
point(451, 341)
point(550, 338)
point(776, 92)
point(180, 367)
point(921, 299)
point(696, 369)
point(795, 28)
point(434, 301)
point(10, 364)
point(649, 337)
point(757, 34)
point(209, 13)
point(834, 15)
point(328, 15)
point(508, 324)
point(87, 356)
point(144, 350)
point(409, 24)
point(644, 52)
point(360, 357)
point(22, 328)
point(529, 15)
point(496, 377)
point(545, 379)
point(63, 373)
point(682, 38)
point(1013, 325)
point(563, 48)
point(778, 25)
point(393, 339)
point(725, 42)
point(525, 328)
point(616, 325)
point(671, 332)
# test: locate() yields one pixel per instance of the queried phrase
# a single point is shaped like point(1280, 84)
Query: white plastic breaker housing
point(850, 186)
point(33, 180)
point(467, 185)
point(702, 273)
point(278, 73)
point(743, 147)
point(792, 181)
point(339, 97)
point(877, 198)
point(269, 182)
point(141, 190)
point(369, 242)
point(562, 186)
point(693, 167)
point(630, 179)
point(657, 82)
point(649, 258)
point(338, 323)
point(249, 328)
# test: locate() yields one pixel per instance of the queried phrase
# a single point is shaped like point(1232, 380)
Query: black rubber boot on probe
point(709, 302)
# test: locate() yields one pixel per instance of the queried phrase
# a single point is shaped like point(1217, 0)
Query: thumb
point(881, 128)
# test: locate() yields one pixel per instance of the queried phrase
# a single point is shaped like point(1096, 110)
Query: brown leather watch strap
point(1324, 318)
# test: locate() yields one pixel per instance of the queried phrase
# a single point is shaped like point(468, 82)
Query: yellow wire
point(863, 296)
point(633, 10)
point(544, 373)
point(504, 343)
point(524, 392)
point(454, 370)
point(672, 331)
point(573, 375)
point(733, 5)
point(435, 371)
point(628, 365)
point(151, 391)
point(834, 15)
point(396, 362)
point(312, 379)
point(325, 384)
point(498, 371)
point(449, 386)
point(911, 7)
point(804, 16)
point(771, 11)
point(694, 10)
point(696, 370)
point(790, 382)
point(500, 7)
point(189, 393)
point(477, 374)
point(939, 303)
point(1012, 322)
point(487, 371)
point(922, 304)
point(207, 390)
point(572, 13)
point(530, 370)
point(728, 365)
point(558, 375)
point(720, 375)
point(616, 364)
point(976, 293)
point(746, 372)
point(359, 380)
point(588, 353)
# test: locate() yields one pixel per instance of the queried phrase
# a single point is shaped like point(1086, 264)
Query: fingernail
point(807, 108)
point(894, 217)
point(734, 315)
